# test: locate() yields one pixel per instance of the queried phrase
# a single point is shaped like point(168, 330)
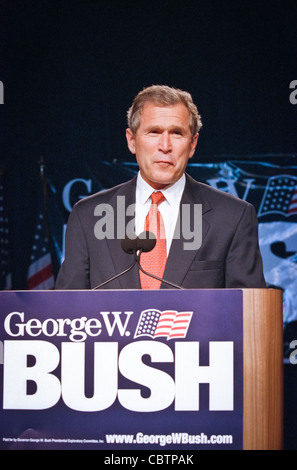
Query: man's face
point(163, 143)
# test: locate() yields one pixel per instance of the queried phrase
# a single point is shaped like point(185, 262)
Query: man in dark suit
point(215, 246)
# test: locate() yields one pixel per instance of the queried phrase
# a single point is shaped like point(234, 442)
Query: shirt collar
point(172, 194)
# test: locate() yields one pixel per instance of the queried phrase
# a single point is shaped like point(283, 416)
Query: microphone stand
point(137, 253)
point(137, 260)
point(115, 277)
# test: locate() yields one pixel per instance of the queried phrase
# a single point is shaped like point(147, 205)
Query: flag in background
point(40, 274)
point(280, 196)
point(5, 266)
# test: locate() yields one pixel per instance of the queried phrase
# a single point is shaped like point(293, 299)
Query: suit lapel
point(121, 217)
point(180, 259)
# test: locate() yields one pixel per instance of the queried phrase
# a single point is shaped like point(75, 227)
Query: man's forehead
point(154, 111)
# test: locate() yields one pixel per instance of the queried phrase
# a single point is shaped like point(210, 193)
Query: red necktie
point(154, 261)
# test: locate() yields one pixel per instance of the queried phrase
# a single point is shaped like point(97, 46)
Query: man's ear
point(130, 140)
point(193, 145)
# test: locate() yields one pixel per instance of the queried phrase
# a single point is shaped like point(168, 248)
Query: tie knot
point(157, 197)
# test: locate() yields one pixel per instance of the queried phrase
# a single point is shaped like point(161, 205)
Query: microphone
point(146, 242)
point(132, 244)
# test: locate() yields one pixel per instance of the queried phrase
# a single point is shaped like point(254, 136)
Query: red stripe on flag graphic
point(169, 324)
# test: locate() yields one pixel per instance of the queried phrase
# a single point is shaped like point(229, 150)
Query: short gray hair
point(163, 95)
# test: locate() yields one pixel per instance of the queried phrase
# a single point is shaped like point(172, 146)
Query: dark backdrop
point(71, 68)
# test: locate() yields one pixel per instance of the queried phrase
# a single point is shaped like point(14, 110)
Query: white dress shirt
point(168, 208)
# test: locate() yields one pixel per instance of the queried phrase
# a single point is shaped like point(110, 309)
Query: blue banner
point(122, 370)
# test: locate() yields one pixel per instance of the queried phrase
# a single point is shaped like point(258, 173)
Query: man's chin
point(162, 183)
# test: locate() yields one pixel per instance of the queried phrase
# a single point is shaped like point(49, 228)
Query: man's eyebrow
point(161, 128)
point(154, 127)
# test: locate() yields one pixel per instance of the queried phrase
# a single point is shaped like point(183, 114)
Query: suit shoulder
point(216, 196)
point(105, 196)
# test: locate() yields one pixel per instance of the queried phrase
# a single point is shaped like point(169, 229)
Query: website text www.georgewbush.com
point(167, 439)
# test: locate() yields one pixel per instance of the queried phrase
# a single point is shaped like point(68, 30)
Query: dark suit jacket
point(228, 257)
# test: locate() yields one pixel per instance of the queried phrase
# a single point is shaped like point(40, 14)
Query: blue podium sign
point(121, 370)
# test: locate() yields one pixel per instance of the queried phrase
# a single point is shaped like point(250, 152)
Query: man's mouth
point(164, 162)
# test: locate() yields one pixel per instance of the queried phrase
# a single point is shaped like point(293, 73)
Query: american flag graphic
point(280, 196)
point(5, 271)
point(169, 324)
point(40, 272)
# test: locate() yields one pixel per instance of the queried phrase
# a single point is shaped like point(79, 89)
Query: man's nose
point(165, 142)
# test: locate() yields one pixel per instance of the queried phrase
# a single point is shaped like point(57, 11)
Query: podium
point(146, 377)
